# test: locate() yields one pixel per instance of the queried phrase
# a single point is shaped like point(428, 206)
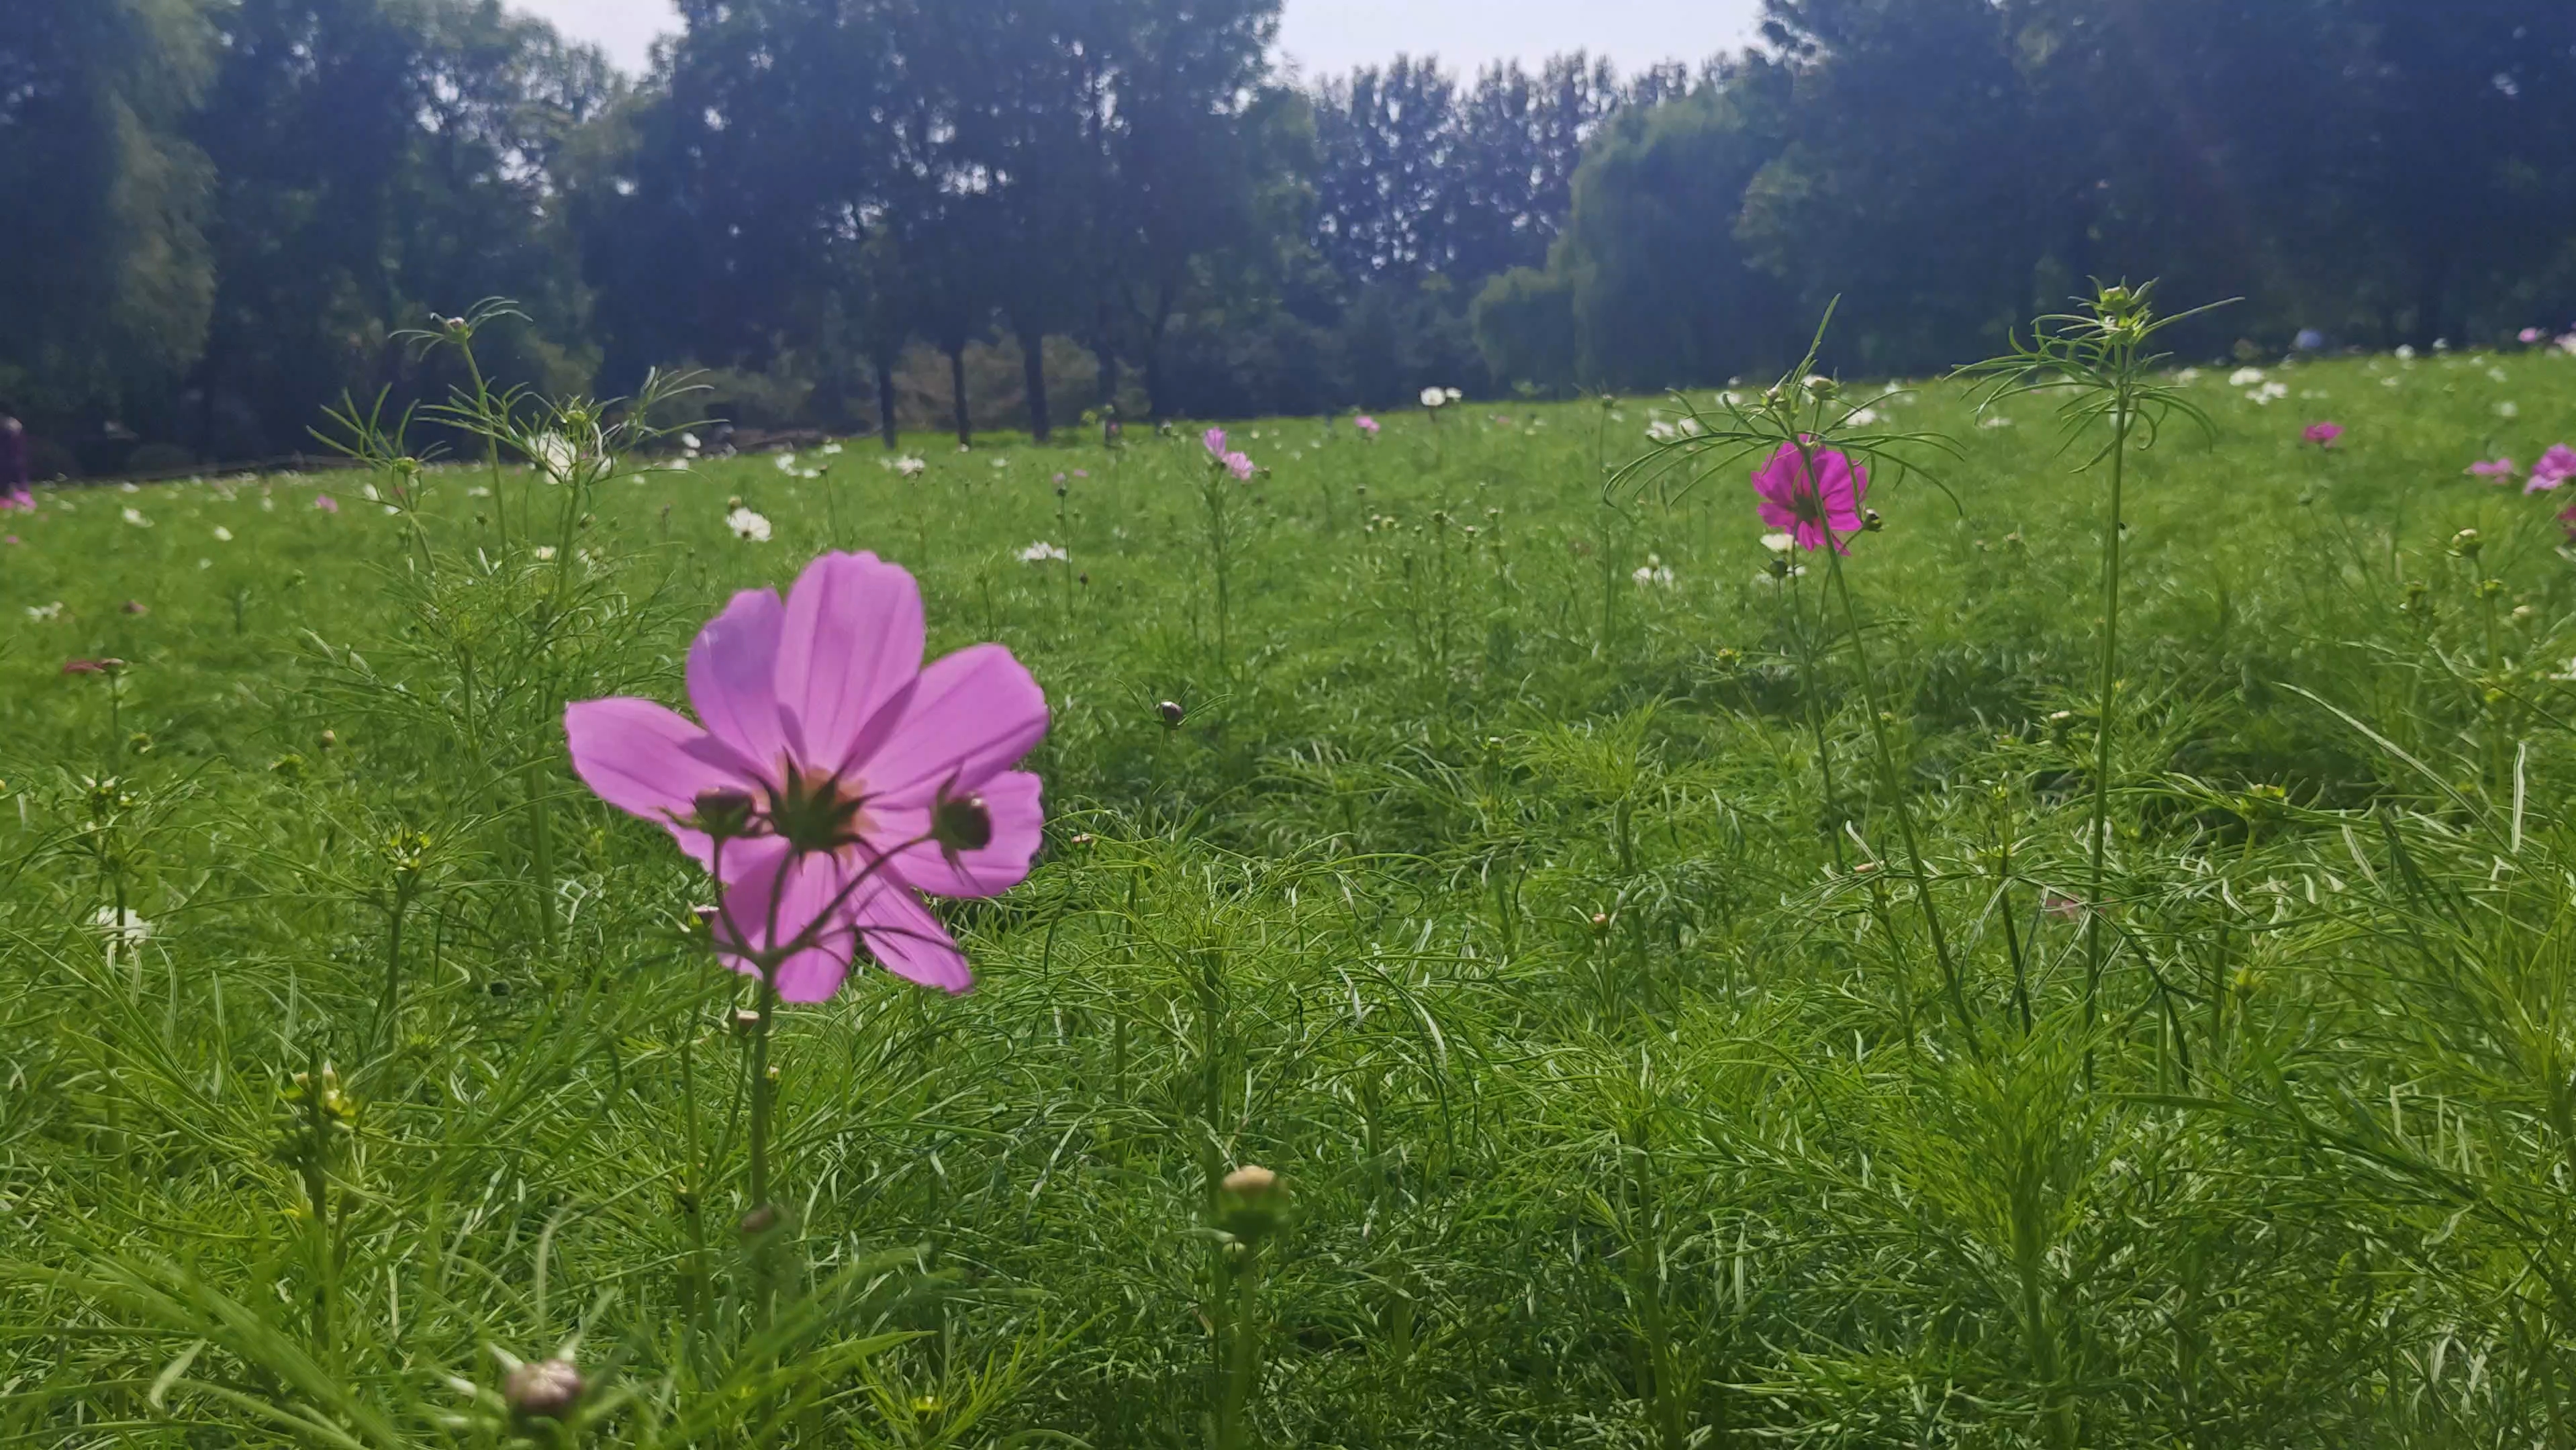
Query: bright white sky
point(1328, 36)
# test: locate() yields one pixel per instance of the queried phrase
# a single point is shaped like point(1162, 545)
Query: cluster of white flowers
point(1440, 397)
point(1653, 574)
point(1041, 552)
point(42, 613)
point(135, 517)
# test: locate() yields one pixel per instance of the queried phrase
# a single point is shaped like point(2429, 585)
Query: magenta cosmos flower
point(326, 503)
point(2495, 470)
point(1815, 495)
point(1365, 424)
point(2554, 468)
point(835, 779)
point(2323, 434)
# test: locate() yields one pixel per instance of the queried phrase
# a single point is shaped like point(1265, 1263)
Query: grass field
point(1488, 888)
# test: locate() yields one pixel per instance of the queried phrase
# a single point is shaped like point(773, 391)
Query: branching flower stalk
point(2103, 358)
point(1816, 459)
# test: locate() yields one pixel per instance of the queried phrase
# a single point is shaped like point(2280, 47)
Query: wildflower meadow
point(2027, 907)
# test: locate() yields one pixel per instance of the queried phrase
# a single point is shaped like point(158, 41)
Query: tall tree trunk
point(957, 391)
point(1033, 372)
point(885, 401)
point(2432, 293)
point(1156, 397)
point(1104, 345)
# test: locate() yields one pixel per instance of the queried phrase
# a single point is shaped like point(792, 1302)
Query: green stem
point(2105, 717)
point(1897, 796)
point(541, 825)
point(1246, 1350)
point(760, 1103)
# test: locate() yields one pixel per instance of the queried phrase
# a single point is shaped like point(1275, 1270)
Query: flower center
point(817, 811)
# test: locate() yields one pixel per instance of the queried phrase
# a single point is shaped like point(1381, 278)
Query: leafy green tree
point(106, 280)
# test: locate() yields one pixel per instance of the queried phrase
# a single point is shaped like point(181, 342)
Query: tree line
point(225, 214)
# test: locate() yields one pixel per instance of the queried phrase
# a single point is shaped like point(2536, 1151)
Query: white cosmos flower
point(911, 467)
point(1040, 553)
point(1862, 417)
point(748, 526)
point(124, 928)
point(545, 553)
point(2187, 377)
point(43, 612)
point(1452, 394)
point(223, 535)
point(1778, 543)
point(785, 462)
point(2245, 377)
point(690, 442)
point(557, 456)
point(1660, 431)
point(2405, 354)
point(831, 450)
point(135, 517)
point(2508, 409)
point(1435, 397)
point(1652, 573)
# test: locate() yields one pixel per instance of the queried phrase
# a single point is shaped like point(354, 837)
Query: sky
point(1328, 36)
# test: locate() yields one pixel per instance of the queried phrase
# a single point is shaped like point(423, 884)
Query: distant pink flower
point(84, 667)
point(2496, 470)
point(2554, 468)
point(326, 503)
point(17, 498)
point(1240, 466)
point(2060, 905)
point(844, 778)
point(2323, 434)
point(1365, 424)
point(1817, 500)
point(2531, 335)
point(8, 538)
point(1214, 438)
point(1082, 473)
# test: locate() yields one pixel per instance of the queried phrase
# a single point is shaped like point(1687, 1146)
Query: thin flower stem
point(1896, 795)
point(2124, 414)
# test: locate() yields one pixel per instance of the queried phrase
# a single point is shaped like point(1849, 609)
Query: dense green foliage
point(1486, 887)
point(1009, 212)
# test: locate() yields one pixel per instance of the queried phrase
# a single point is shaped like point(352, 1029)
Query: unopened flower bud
point(1255, 1203)
point(1820, 386)
point(760, 1221)
point(329, 739)
point(724, 814)
point(545, 1390)
point(1600, 923)
point(1870, 520)
point(2466, 543)
point(961, 823)
point(1172, 712)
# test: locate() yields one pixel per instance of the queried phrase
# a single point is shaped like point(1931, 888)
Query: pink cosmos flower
point(1240, 465)
point(17, 498)
point(2061, 905)
point(2323, 434)
point(2532, 335)
point(2495, 470)
point(2554, 468)
point(1214, 438)
point(835, 780)
point(1817, 500)
point(1365, 424)
point(2567, 521)
point(326, 503)
point(8, 538)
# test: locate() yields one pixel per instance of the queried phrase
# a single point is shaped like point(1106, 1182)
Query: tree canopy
point(859, 212)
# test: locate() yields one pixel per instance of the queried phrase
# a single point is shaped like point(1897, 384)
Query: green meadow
point(1494, 844)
